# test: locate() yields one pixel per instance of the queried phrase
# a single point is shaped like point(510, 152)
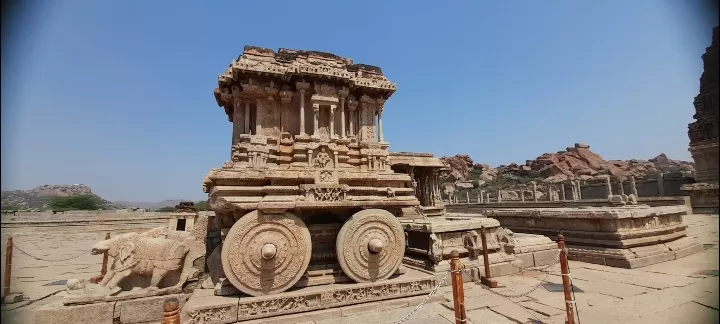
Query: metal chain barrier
point(432, 292)
point(48, 260)
point(544, 279)
point(467, 272)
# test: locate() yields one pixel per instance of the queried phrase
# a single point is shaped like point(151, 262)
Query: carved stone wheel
point(265, 254)
point(370, 246)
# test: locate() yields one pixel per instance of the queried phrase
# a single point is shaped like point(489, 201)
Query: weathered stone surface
point(204, 304)
point(144, 310)
point(624, 236)
point(159, 260)
point(57, 313)
point(289, 175)
point(12, 298)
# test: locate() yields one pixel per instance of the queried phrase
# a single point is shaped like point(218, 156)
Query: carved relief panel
point(367, 121)
point(270, 117)
point(238, 120)
point(323, 159)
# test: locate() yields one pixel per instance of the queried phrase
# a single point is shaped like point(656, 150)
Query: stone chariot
point(308, 196)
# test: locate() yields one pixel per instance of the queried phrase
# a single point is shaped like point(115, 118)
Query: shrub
point(79, 202)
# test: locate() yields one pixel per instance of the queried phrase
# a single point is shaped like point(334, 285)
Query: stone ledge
point(204, 307)
point(630, 259)
point(336, 313)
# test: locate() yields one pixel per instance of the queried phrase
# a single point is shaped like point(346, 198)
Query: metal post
point(8, 267)
point(485, 280)
point(171, 311)
point(457, 288)
point(567, 285)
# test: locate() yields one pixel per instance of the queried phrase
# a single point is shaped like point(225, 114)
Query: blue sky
point(118, 95)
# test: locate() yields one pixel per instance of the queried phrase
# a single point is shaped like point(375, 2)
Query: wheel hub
point(376, 245)
point(268, 251)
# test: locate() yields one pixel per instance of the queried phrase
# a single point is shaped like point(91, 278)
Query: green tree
point(10, 207)
point(201, 205)
point(79, 202)
point(165, 209)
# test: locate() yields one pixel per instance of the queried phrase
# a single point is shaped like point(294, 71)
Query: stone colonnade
point(575, 193)
point(365, 122)
point(427, 187)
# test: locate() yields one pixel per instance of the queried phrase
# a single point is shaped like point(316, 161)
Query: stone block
point(640, 262)
point(527, 259)
point(546, 257)
point(12, 298)
point(375, 306)
point(688, 251)
point(213, 309)
point(437, 297)
point(142, 310)
point(57, 313)
point(306, 317)
point(588, 259)
point(502, 269)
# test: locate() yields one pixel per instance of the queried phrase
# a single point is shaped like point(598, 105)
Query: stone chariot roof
point(286, 66)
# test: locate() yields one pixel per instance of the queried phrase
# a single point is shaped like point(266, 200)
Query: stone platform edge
point(134, 311)
point(206, 308)
point(339, 312)
point(644, 256)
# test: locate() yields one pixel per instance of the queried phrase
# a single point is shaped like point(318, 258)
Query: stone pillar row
point(348, 117)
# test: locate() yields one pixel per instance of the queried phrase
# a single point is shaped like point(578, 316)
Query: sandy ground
point(679, 291)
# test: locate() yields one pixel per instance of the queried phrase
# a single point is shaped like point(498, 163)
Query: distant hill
point(40, 197)
point(149, 205)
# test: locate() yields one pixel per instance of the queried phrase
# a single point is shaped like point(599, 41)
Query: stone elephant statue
point(149, 254)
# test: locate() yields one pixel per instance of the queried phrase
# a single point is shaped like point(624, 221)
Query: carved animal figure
point(140, 254)
point(470, 241)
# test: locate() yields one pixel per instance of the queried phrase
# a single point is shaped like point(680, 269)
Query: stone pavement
point(678, 291)
point(672, 292)
point(38, 279)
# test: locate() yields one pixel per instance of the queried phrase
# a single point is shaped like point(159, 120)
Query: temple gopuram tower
point(703, 133)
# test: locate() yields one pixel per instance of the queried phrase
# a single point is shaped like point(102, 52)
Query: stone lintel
point(448, 224)
point(324, 100)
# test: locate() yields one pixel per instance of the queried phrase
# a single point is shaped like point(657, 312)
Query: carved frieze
point(211, 315)
point(327, 194)
point(333, 298)
point(352, 103)
point(325, 90)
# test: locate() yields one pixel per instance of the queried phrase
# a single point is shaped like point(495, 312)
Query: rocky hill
point(574, 162)
point(40, 197)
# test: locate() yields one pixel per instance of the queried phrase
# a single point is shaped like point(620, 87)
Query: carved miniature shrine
point(433, 234)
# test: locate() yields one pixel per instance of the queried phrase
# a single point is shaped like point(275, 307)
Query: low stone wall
point(480, 208)
point(78, 219)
